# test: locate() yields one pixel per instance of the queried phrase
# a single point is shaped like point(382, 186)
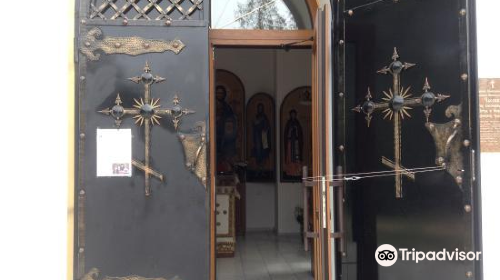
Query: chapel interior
point(263, 122)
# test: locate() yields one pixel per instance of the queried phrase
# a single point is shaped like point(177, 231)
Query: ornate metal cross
point(396, 106)
point(146, 111)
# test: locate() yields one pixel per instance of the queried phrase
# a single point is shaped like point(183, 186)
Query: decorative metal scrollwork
point(94, 274)
point(396, 106)
point(195, 151)
point(144, 9)
point(147, 112)
point(91, 42)
point(448, 140)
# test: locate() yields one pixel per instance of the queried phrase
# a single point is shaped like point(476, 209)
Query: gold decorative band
point(134, 46)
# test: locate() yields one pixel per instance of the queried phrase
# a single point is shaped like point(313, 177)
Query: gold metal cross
point(396, 106)
point(147, 112)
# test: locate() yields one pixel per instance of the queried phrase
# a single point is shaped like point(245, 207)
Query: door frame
point(275, 39)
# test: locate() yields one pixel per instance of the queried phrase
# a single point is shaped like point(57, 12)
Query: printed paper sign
point(114, 153)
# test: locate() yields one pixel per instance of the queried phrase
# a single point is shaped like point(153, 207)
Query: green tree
point(262, 14)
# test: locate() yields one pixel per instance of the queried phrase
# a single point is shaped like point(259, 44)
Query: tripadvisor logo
point(387, 255)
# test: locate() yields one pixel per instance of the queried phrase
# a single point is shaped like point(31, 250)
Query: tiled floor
point(265, 256)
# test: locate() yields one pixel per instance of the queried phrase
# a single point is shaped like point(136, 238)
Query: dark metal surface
point(440, 209)
point(121, 232)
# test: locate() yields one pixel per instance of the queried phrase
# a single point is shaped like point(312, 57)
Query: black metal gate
point(407, 135)
point(143, 65)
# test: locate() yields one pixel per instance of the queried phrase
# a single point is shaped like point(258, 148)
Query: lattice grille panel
point(145, 9)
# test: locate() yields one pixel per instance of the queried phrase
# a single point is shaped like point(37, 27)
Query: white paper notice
point(114, 153)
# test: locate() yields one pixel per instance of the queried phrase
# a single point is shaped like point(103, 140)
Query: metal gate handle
point(306, 185)
point(339, 188)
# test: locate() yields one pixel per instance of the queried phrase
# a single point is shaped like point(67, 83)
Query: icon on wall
point(295, 130)
point(260, 137)
point(230, 105)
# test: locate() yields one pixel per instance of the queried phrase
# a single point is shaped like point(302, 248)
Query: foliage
point(262, 14)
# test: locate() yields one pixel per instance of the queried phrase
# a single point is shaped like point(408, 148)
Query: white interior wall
point(293, 70)
point(269, 206)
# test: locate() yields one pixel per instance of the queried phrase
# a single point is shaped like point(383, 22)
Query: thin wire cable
point(356, 178)
point(365, 5)
point(409, 170)
point(222, 13)
point(249, 13)
point(388, 173)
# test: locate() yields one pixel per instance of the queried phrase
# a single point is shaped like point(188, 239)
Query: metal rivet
point(82, 135)
point(341, 148)
point(117, 45)
point(81, 250)
point(440, 160)
point(125, 22)
point(463, 12)
point(82, 192)
point(82, 78)
point(168, 22)
point(467, 208)
point(146, 45)
point(468, 274)
point(182, 136)
point(203, 139)
point(466, 143)
point(464, 77)
point(87, 44)
point(83, 21)
point(175, 44)
point(341, 42)
point(458, 179)
point(350, 12)
point(341, 94)
point(344, 254)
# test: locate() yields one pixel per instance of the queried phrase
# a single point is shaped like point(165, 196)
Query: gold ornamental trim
point(448, 140)
point(92, 42)
point(195, 151)
point(396, 106)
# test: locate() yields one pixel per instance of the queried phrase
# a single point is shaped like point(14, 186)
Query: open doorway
point(263, 139)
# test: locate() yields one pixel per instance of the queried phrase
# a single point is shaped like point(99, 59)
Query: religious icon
point(230, 99)
point(260, 138)
point(296, 138)
point(294, 144)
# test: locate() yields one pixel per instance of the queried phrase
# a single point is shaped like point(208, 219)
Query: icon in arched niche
point(260, 136)
point(296, 134)
point(230, 104)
